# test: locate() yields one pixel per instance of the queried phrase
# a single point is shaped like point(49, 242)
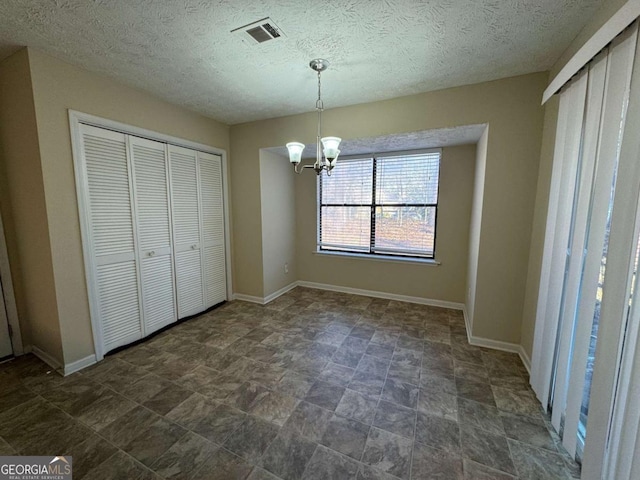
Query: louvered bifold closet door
point(185, 201)
point(155, 249)
point(215, 281)
point(112, 238)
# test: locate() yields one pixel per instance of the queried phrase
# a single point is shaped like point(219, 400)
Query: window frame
point(372, 252)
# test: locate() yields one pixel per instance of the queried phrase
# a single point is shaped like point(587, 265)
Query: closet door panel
point(158, 292)
point(154, 232)
point(185, 203)
point(112, 236)
point(213, 235)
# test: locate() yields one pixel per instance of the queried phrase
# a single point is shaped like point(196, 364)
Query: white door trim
point(75, 120)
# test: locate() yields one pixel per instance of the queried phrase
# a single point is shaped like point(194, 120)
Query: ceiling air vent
point(259, 32)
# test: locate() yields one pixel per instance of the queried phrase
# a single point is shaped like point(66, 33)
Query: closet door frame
point(79, 118)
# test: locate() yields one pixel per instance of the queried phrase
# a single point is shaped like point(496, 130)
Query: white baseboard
point(248, 298)
point(78, 365)
point(496, 344)
point(44, 356)
point(268, 298)
point(385, 295)
point(282, 291)
point(525, 359)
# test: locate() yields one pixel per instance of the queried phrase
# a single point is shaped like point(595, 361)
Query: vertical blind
point(385, 205)
point(590, 251)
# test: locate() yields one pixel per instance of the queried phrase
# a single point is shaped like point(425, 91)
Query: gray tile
point(527, 429)
point(346, 436)
point(223, 465)
point(431, 463)
point(330, 338)
point(388, 452)
point(153, 442)
point(407, 357)
point(118, 465)
point(486, 448)
point(327, 464)
point(438, 432)
point(225, 382)
point(274, 407)
point(366, 384)
point(124, 429)
point(288, 455)
point(185, 457)
point(369, 473)
point(325, 395)
point(480, 415)
point(14, 398)
point(6, 449)
point(337, 374)
point(357, 406)
point(373, 366)
point(536, 463)
point(308, 420)
point(362, 331)
point(438, 366)
point(355, 344)
point(395, 419)
point(247, 396)
point(440, 384)
point(380, 351)
point(509, 380)
point(382, 337)
point(470, 371)
point(520, 402)
point(89, 454)
point(438, 404)
point(221, 423)
point(477, 471)
point(192, 411)
point(347, 357)
point(251, 438)
point(476, 391)
point(295, 384)
point(260, 474)
point(145, 387)
point(410, 343)
point(404, 373)
point(167, 399)
point(401, 393)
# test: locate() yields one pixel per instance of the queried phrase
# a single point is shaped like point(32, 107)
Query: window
point(381, 205)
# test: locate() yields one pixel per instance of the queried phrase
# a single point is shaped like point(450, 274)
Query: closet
point(153, 232)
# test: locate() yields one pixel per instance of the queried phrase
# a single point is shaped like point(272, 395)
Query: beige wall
point(475, 225)
point(24, 211)
point(278, 204)
point(444, 282)
point(512, 109)
point(57, 87)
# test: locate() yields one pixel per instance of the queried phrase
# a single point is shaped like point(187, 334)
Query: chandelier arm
point(301, 167)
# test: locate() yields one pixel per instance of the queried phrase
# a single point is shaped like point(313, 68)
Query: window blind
point(384, 205)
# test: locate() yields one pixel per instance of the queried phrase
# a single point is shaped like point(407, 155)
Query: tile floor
point(315, 385)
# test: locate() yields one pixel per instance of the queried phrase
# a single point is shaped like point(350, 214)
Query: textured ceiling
point(183, 51)
point(441, 137)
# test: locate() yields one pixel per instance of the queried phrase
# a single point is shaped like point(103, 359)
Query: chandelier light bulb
point(295, 152)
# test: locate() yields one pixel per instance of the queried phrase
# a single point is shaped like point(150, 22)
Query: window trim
point(371, 252)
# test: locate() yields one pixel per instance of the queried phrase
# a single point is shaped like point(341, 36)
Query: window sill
point(380, 258)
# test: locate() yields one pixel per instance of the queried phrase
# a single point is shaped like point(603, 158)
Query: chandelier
point(326, 147)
